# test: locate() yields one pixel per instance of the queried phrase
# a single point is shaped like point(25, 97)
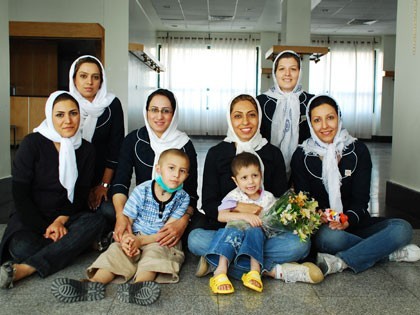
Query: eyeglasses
point(163, 111)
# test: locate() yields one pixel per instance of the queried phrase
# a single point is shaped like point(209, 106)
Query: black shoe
point(141, 293)
point(105, 241)
point(69, 290)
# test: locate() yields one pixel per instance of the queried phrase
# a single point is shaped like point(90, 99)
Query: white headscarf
point(90, 111)
point(285, 121)
point(172, 138)
point(330, 153)
point(252, 145)
point(67, 165)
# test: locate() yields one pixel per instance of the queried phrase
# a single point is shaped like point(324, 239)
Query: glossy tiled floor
point(387, 288)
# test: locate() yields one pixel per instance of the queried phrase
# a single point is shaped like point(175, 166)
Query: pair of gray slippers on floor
point(69, 291)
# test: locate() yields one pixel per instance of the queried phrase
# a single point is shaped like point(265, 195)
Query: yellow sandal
point(219, 280)
point(255, 276)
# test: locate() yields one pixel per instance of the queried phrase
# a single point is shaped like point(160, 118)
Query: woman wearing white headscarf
point(141, 150)
point(335, 169)
point(102, 124)
point(244, 120)
point(284, 106)
point(51, 177)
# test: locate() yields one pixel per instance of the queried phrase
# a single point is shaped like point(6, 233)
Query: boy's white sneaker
point(408, 253)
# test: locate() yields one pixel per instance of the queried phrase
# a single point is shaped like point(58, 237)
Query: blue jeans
point(361, 248)
point(280, 249)
point(237, 246)
point(48, 257)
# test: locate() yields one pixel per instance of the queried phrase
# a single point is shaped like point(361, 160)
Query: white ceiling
point(328, 16)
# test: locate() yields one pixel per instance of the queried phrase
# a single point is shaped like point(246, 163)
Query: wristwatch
point(106, 185)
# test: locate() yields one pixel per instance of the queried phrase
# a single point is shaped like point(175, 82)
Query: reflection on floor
point(387, 288)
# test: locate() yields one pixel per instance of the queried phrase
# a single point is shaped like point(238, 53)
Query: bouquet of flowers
point(292, 212)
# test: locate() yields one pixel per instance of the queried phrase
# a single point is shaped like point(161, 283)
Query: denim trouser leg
point(280, 249)
point(24, 244)
point(199, 241)
point(283, 248)
point(226, 242)
point(106, 208)
point(81, 233)
point(252, 246)
point(364, 247)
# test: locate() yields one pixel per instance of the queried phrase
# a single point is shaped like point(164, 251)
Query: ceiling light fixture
point(361, 22)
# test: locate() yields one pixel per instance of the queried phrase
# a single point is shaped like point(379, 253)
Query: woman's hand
point(324, 218)
point(172, 232)
point(96, 195)
point(334, 225)
point(122, 225)
point(56, 230)
point(248, 208)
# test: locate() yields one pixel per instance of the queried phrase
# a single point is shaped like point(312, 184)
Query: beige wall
point(405, 169)
point(111, 14)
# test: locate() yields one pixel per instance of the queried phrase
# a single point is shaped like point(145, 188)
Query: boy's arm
point(227, 216)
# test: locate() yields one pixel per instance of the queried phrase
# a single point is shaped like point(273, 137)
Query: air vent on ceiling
point(221, 17)
point(361, 22)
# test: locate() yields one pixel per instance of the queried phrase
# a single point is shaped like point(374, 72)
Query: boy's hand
point(129, 245)
point(252, 219)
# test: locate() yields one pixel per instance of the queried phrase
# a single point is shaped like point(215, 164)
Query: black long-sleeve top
point(268, 106)
point(38, 194)
point(137, 153)
point(355, 168)
point(107, 139)
point(217, 177)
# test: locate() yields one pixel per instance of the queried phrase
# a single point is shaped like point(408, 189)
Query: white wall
point(4, 91)
point(405, 169)
point(111, 14)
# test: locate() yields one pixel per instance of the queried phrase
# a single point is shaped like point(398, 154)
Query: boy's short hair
point(177, 152)
point(244, 159)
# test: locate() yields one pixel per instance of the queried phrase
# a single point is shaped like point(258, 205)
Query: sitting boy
point(241, 241)
point(151, 205)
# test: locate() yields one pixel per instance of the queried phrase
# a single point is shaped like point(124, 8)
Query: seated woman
point(244, 120)
point(51, 178)
point(102, 125)
point(284, 106)
point(335, 169)
point(141, 150)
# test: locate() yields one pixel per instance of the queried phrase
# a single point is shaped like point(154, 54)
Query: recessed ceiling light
point(174, 25)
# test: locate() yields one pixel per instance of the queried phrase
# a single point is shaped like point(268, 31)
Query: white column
point(267, 40)
point(405, 169)
point(296, 30)
point(4, 91)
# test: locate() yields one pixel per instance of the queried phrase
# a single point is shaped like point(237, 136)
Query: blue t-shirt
point(143, 207)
